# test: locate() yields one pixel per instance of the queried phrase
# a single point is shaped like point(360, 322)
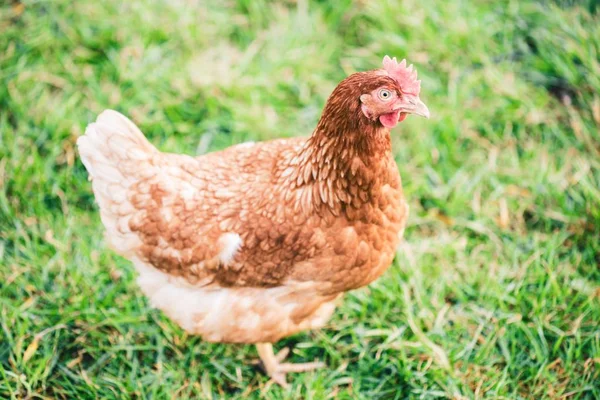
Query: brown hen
point(257, 242)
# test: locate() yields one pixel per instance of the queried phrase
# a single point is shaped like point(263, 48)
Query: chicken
point(259, 241)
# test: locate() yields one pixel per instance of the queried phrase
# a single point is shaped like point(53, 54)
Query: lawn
point(495, 292)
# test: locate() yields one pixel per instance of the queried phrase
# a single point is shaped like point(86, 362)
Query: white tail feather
point(116, 154)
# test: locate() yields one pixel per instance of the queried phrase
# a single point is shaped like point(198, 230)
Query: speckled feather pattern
point(258, 241)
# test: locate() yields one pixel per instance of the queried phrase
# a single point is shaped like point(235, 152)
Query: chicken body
point(256, 242)
point(235, 245)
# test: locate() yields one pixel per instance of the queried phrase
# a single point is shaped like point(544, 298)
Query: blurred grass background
point(494, 294)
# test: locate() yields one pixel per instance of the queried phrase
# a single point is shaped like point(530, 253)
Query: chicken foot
point(276, 369)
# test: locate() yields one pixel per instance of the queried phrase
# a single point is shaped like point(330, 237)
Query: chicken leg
point(276, 369)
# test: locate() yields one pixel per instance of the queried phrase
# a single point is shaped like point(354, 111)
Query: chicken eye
point(385, 94)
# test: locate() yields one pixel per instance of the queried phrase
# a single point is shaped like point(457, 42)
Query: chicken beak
point(421, 109)
point(414, 105)
point(411, 104)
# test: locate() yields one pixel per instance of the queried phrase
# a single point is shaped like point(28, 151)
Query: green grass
point(495, 292)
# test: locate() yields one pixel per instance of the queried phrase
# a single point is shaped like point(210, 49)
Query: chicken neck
point(342, 163)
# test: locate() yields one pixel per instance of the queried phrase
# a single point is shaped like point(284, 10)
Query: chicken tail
point(117, 156)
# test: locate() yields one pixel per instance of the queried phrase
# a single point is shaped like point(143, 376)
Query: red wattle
point(390, 120)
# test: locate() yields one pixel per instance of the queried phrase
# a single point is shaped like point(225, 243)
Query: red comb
point(405, 76)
